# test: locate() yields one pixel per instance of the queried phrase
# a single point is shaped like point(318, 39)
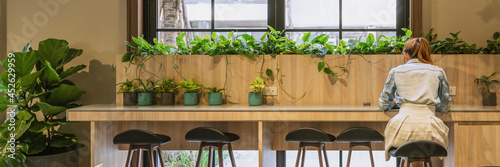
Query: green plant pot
point(190, 99)
point(214, 99)
point(145, 99)
point(255, 99)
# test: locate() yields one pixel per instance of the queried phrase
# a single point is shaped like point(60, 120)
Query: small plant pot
point(255, 99)
point(214, 99)
point(145, 99)
point(167, 99)
point(489, 99)
point(190, 99)
point(130, 99)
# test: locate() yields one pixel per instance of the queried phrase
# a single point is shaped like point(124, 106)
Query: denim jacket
point(418, 83)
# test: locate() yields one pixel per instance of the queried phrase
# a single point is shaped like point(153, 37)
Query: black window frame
point(275, 18)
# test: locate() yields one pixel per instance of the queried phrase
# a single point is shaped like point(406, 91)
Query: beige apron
point(414, 122)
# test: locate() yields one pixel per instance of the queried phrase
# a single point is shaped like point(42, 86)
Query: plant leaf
point(64, 94)
point(321, 66)
point(52, 50)
point(49, 110)
point(71, 71)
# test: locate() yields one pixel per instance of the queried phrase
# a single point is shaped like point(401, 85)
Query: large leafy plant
point(486, 82)
point(38, 80)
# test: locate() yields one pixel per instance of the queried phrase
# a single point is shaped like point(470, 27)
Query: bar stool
point(310, 137)
point(142, 139)
point(360, 136)
point(418, 151)
point(212, 137)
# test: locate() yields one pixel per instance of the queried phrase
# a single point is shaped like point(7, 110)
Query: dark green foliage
point(493, 46)
point(451, 45)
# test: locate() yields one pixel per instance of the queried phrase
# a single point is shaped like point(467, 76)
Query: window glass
point(240, 14)
point(312, 14)
point(190, 14)
point(366, 14)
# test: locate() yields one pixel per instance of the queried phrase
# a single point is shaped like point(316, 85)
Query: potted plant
point(486, 83)
point(145, 97)
point(129, 91)
point(214, 96)
point(38, 92)
point(255, 97)
point(191, 89)
point(165, 90)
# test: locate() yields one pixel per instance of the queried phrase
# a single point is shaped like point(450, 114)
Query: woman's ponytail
point(418, 48)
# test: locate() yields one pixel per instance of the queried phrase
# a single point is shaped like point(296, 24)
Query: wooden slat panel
point(477, 145)
point(362, 83)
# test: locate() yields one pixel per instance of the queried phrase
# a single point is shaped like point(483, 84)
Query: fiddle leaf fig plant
point(189, 86)
point(257, 85)
point(38, 82)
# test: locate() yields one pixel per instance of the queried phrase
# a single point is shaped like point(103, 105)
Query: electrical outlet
point(271, 91)
point(453, 90)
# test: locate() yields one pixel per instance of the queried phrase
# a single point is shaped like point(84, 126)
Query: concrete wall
point(477, 19)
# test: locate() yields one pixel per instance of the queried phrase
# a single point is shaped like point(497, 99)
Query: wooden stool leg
point(162, 163)
point(349, 156)
point(319, 156)
point(326, 157)
point(200, 153)
point(221, 157)
point(303, 155)
point(231, 155)
point(298, 157)
point(129, 156)
point(210, 156)
point(151, 155)
point(371, 154)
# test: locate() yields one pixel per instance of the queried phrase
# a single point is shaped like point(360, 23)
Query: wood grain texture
point(477, 145)
point(362, 82)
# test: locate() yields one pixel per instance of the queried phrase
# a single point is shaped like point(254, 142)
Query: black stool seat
point(140, 137)
point(419, 149)
point(309, 135)
point(210, 135)
point(360, 135)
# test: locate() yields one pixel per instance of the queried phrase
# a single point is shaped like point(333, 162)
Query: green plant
point(145, 87)
point(486, 82)
point(493, 47)
point(165, 86)
point(451, 45)
point(141, 48)
point(37, 80)
point(127, 87)
point(214, 90)
point(189, 86)
point(257, 85)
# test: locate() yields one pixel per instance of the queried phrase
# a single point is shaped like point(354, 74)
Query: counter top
point(240, 112)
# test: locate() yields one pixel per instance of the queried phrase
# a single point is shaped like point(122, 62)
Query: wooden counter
point(474, 130)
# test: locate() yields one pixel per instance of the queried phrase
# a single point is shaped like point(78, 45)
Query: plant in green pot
point(486, 83)
point(255, 97)
point(191, 89)
point(36, 88)
point(214, 96)
point(165, 89)
point(145, 97)
point(129, 91)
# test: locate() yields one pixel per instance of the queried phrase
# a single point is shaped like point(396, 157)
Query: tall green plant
point(39, 81)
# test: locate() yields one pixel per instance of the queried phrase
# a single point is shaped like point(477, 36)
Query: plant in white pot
point(486, 83)
point(255, 97)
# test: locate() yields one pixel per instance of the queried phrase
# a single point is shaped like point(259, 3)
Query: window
point(339, 19)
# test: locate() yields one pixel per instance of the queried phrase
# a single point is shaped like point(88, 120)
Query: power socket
point(453, 90)
point(270, 91)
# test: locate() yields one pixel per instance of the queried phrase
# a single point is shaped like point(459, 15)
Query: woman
point(419, 88)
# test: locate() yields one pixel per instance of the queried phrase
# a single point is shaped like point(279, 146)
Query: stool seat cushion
point(360, 135)
point(309, 135)
point(140, 137)
point(419, 149)
point(210, 135)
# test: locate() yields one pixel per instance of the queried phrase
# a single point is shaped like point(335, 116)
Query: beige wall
point(96, 26)
point(477, 19)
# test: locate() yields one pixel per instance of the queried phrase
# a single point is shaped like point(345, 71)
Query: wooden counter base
point(473, 130)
